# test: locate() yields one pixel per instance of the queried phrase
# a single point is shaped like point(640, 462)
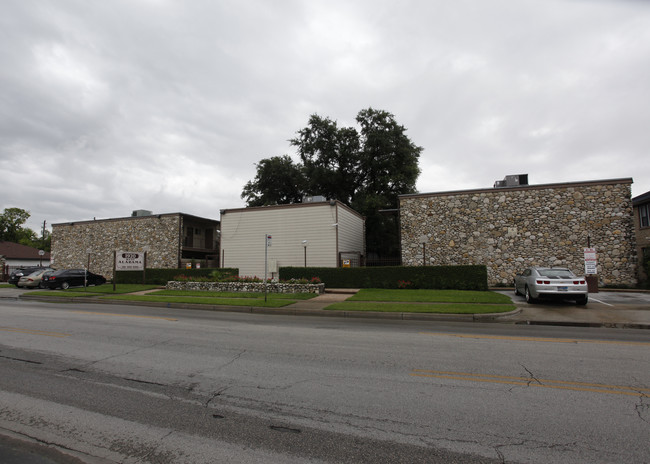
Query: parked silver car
point(34, 279)
point(551, 282)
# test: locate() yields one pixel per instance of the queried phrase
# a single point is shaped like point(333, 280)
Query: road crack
point(532, 376)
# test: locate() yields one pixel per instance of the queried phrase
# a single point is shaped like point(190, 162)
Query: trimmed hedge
point(162, 276)
point(432, 277)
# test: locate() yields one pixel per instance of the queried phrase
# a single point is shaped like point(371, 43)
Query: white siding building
point(317, 234)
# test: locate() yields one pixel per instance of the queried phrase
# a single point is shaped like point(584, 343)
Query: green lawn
point(206, 300)
point(101, 290)
point(426, 301)
point(380, 300)
point(429, 296)
point(6, 286)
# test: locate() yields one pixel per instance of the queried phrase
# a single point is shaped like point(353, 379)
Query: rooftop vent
point(314, 199)
point(512, 181)
point(141, 212)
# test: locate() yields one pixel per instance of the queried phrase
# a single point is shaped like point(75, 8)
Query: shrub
point(472, 277)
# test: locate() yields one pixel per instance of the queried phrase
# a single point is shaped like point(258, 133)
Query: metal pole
point(114, 266)
point(266, 255)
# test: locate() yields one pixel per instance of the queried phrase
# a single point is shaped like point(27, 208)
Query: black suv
point(23, 271)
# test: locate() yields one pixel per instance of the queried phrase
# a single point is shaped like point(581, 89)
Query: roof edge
point(130, 218)
point(293, 205)
point(622, 180)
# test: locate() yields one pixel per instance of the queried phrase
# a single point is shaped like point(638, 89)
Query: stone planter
point(271, 287)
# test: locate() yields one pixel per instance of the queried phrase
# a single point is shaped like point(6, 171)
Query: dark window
point(643, 215)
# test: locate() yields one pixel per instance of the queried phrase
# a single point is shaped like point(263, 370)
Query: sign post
point(267, 244)
point(128, 261)
point(591, 269)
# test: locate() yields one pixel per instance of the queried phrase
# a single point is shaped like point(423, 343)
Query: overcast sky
point(111, 106)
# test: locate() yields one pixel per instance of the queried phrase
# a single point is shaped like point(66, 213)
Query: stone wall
point(271, 287)
point(508, 229)
point(73, 243)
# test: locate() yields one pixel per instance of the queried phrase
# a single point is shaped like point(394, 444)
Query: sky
point(110, 107)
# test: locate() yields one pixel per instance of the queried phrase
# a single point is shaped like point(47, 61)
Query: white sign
point(591, 262)
point(129, 261)
point(268, 240)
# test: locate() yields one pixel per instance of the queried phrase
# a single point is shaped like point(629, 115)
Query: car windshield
point(556, 273)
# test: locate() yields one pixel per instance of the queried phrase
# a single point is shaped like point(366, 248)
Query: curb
point(297, 311)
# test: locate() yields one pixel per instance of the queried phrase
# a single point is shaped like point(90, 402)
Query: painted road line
point(35, 332)
point(591, 298)
point(534, 382)
point(535, 339)
point(126, 315)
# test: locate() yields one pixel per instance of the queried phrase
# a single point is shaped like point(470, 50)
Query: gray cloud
point(114, 106)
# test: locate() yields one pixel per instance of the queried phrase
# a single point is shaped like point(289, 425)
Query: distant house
point(171, 240)
point(14, 256)
point(641, 206)
point(319, 233)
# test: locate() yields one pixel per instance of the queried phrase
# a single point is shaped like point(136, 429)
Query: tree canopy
point(366, 168)
point(12, 230)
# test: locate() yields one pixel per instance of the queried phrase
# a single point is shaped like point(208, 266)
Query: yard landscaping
point(379, 300)
point(125, 292)
point(426, 301)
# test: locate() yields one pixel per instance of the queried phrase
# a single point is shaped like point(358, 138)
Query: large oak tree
point(366, 168)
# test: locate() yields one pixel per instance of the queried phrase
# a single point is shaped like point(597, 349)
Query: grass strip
point(452, 308)
point(121, 288)
point(201, 293)
point(429, 296)
point(66, 293)
point(277, 303)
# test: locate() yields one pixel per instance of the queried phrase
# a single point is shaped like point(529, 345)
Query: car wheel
point(529, 299)
point(516, 291)
point(41, 285)
point(582, 300)
point(65, 285)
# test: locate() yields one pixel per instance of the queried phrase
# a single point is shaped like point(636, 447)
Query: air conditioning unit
point(512, 181)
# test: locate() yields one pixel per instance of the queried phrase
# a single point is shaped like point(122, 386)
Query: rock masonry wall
point(271, 287)
point(508, 229)
point(73, 242)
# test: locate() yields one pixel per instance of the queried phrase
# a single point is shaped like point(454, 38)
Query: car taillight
point(540, 282)
point(579, 282)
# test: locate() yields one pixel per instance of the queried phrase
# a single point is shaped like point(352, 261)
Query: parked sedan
point(551, 282)
point(33, 280)
point(18, 273)
point(66, 278)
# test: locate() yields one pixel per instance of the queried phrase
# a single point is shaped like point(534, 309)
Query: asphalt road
point(133, 384)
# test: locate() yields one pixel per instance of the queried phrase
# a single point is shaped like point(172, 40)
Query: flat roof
point(130, 218)
point(249, 209)
point(623, 180)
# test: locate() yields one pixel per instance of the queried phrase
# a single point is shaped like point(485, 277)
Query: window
point(643, 215)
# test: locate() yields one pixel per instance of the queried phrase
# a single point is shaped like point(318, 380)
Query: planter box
point(271, 287)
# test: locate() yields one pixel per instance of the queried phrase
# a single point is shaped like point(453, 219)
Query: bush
point(430, 277)
point(162, 276)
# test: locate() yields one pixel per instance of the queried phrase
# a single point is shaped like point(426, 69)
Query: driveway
point(608, 308)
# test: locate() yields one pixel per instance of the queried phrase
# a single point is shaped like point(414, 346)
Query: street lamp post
point(304, 244)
